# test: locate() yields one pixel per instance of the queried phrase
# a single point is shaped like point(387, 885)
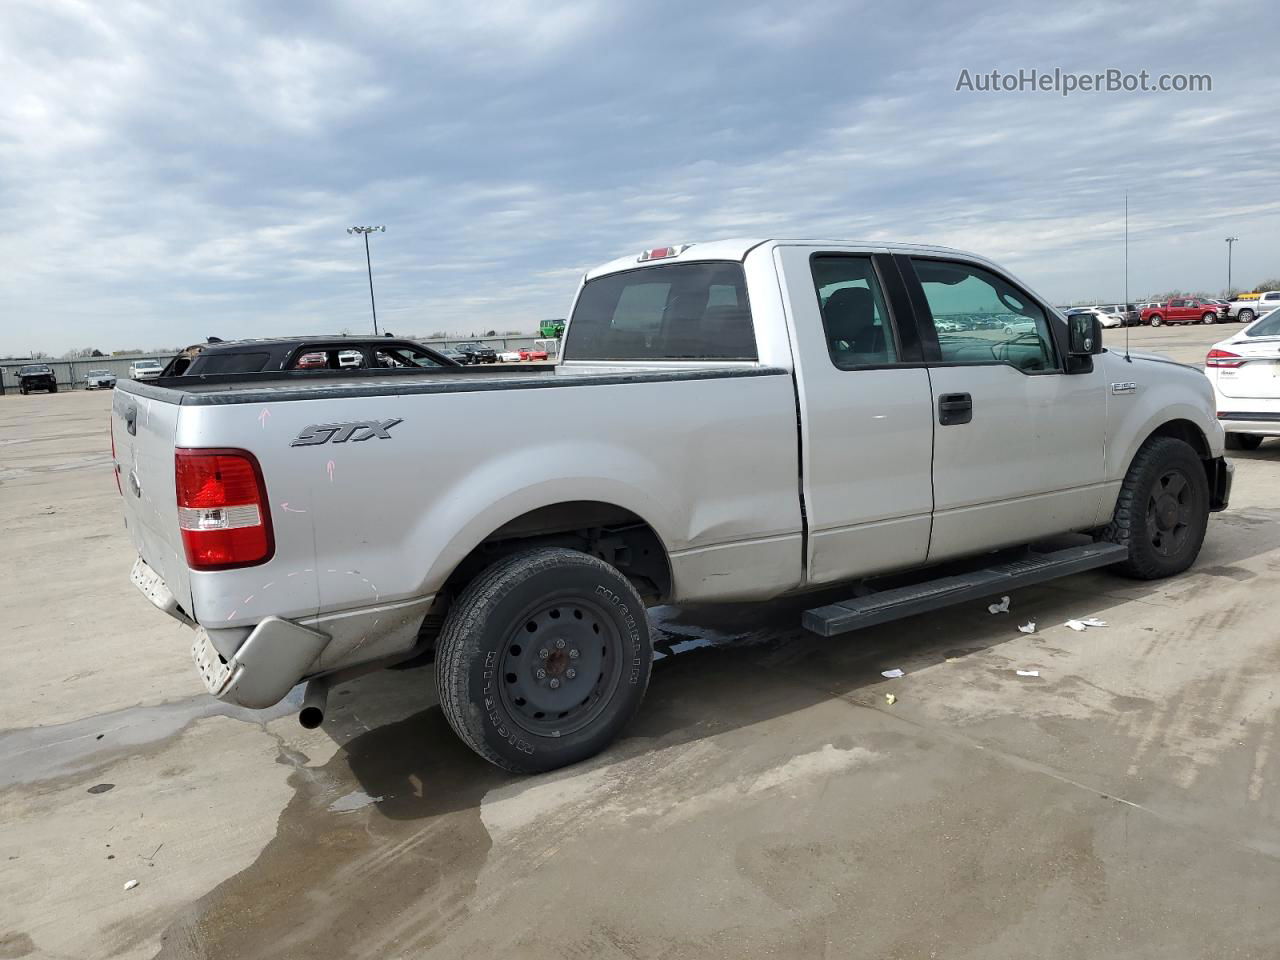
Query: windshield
point(1268, 326)
point(99, 373)
point(34, 368)
point(147, 364)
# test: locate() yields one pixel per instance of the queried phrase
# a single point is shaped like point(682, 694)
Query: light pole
point(1231, 241)
point(369, 264)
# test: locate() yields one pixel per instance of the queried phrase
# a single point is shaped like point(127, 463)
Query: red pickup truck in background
point(1184, 310)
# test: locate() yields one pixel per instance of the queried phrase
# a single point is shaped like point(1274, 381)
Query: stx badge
point(342, 432)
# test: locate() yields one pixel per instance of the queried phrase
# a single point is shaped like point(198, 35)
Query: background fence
point(71, 373)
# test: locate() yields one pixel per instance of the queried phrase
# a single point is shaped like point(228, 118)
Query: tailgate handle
point(955, 408)
point(131, 420)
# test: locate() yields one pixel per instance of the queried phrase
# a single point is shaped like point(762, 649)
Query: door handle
point(954, 408)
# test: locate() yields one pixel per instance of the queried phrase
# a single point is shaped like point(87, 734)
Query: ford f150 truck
point(735, 421)
point(1247, 307)
point(1181, 310)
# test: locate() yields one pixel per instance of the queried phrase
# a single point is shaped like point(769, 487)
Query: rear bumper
point(1221, 476)
point(256, 667)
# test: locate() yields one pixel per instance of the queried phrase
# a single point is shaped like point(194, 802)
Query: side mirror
point(1084, 335)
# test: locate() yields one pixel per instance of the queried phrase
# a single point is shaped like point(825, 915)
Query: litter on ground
point(1001, 607)
point(1085, 622)
point(1028, 627)
point(130, 885)
point(1028, 673)
point(891, 674)
point(890, 699)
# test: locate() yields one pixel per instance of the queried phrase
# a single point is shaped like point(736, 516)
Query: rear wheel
point(1162, 511)
point(543, 659)
point(1243, 441)
point(1156, 320)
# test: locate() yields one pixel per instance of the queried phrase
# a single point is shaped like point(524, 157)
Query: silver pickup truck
point(731, 421)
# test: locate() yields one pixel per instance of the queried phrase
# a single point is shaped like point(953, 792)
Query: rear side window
point(682, 311)
point(230, 363)
point(1268, 326)
point(854, 317)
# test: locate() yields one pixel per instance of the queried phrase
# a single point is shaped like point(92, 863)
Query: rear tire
point(543, 659)
point(1156, 320)
point(1162, 512)
point(1243, 441)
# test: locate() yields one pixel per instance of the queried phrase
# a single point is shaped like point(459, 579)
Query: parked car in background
point(1128, 312)
point(532, 353)
point(36, 376)
point(99, 380)
point(303, 353)
point(1104, 319)
point(1245, 372)
point(477, 353)
point(450, 354)
point(1180, 310)
point(145, 369)
point(510, 356)
point(1247, 307)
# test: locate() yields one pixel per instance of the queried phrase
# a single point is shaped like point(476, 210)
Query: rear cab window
point(679, 311)
point(229, 363)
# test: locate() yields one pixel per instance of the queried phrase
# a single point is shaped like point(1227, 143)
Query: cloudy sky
point(172, 171)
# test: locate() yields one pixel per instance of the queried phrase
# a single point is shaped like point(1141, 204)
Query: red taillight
point(1224, 358)
point(222, 509)
point(115, 466)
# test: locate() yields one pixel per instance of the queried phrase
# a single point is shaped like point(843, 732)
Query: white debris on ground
point(1028, 627)
point(130, 885)
point(891, 674)
point(1001, 607)
point(1028, 673)
point(1084, 623)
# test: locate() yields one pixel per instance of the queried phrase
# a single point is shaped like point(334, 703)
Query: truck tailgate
point(143, 431)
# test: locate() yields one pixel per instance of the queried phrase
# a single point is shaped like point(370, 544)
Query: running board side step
point(887, 605)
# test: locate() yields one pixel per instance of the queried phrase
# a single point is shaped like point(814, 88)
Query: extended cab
point(1181, 310)
point(1247, 307)
point(734, 421)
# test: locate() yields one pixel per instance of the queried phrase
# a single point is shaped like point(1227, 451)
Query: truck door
point(1178, 311)
point(866, 425)
point(1018, 441)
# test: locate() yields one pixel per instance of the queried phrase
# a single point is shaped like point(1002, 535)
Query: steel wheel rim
point(558, 677)
point(1169, 512)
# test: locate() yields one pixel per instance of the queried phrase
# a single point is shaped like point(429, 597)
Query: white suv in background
point(145, 369)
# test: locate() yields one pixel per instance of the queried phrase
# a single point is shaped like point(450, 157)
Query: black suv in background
point(36, 376)
point(302, 353)
point(475, 353)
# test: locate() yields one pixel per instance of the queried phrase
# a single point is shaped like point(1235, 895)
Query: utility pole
point(369, 265)
point(1231, 241)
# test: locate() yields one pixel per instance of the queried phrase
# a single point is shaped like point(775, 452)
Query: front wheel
point(1243, 441)
point(543, 659)
point(1209, 318)
point(1162, 511)
point(1156, 320)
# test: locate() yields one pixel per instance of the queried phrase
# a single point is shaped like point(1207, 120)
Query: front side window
point(982, 318)
point(854, 317)
point(680, 311)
